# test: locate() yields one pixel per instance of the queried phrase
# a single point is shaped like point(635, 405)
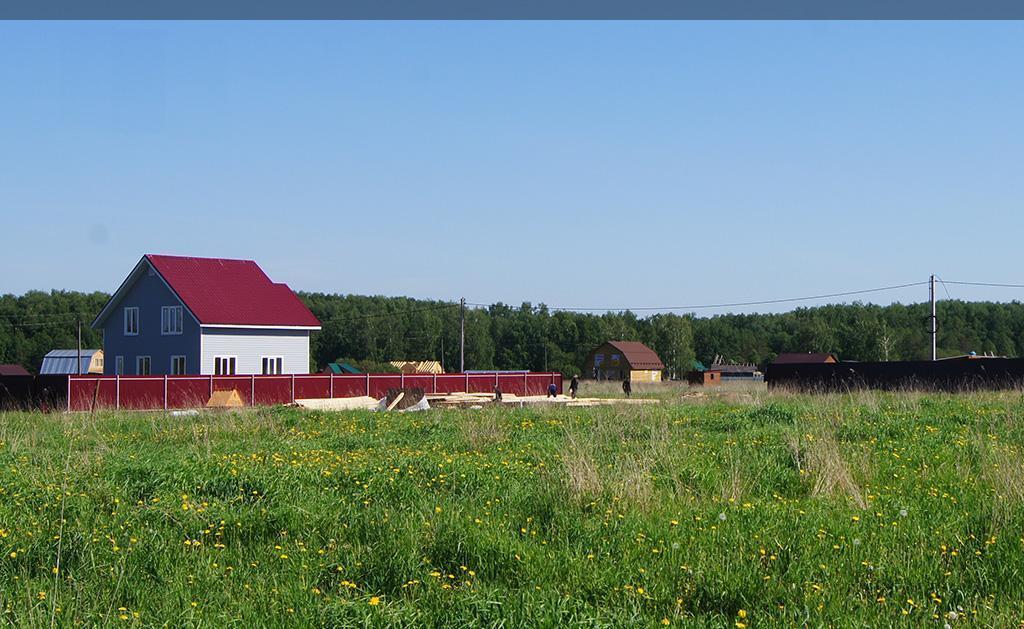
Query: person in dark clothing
point(627, 388)
point(574, 386)
point(497, 395)
point(552, 390)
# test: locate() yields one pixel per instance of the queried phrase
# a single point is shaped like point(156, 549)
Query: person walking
point(574, 386)
point(627, 388)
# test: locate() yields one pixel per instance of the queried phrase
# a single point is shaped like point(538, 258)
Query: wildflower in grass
point(721, 516)
point(903, 512)
point(665, 621)
point(374, 600)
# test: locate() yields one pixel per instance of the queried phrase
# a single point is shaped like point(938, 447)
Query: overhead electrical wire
point(991, 284)
point(61, 319)
point(762, 302)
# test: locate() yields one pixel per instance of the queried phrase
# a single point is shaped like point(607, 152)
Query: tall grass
point(766, 509)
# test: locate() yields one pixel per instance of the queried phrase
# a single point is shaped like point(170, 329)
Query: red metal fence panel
point(380, 383)
point(350, 385)
point(171, 392)
point(187, 391)
point(269, 390)
point(312, 387)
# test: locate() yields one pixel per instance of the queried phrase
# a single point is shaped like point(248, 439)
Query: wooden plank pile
point(479, 400)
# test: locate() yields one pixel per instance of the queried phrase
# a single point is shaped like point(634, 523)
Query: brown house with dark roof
point(624, 360)
point(788, 358)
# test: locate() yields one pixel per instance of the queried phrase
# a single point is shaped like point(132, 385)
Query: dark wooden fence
point(966, 374)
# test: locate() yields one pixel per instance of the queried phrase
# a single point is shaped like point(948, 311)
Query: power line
point(992, 284)
point(739, 303)
point(389, 314)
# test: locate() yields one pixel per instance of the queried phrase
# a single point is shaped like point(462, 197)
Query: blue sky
point(578, 164)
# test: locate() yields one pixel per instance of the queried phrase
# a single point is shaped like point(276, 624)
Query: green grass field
point(747, 510)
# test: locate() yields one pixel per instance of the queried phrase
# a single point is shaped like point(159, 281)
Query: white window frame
point(275, 364)
point(118, 365)
point(138, 365)
point(221, 363)
point(178, 372)
point(171, 320)
point(131, 315)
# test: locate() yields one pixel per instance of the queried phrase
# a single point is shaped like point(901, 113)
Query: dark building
point(789, 358)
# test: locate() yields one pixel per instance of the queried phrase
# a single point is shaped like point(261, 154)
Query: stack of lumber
point(469, 400)
point(339, 403)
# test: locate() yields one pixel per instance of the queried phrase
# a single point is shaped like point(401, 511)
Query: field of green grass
point(743, 510)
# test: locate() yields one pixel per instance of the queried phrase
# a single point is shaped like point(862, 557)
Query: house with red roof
point(181, 315)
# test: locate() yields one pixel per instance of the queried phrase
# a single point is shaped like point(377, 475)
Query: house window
point(142, 365)
point(272, 365)
point(131, 321)
point(170, 320)
point(224, 365)
point(177, 365)
point(119, 365)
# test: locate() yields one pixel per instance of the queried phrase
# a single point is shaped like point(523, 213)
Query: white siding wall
point(249, 346)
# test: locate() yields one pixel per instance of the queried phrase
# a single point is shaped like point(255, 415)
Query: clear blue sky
point(576, 164)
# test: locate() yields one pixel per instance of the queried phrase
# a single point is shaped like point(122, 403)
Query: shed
point(341, 368)
point(624, 360)
point(13, 370)
point(65, 361)
point(737, 372)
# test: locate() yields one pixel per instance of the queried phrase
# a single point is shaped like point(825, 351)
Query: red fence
point(169, 392)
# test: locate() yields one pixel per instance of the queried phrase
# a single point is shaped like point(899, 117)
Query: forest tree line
point(374, 330)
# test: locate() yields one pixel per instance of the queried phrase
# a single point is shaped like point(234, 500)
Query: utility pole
point(933, 326)
point(442, 353)
point(462, 335)
point(79, 347)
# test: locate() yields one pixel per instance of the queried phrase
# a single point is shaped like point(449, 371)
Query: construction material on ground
point(472, 400)
point(394, 403)
point(225, 399)
point(400, 399)
point(415, 400)
point(339, 403)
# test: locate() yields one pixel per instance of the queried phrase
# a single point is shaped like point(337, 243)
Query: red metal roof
point(638, 355)
point(231, 292)
point(13, 370)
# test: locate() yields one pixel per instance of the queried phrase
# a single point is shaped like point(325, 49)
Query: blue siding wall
point(149, 293)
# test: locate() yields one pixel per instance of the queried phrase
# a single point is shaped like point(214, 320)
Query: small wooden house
point(624, 360)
